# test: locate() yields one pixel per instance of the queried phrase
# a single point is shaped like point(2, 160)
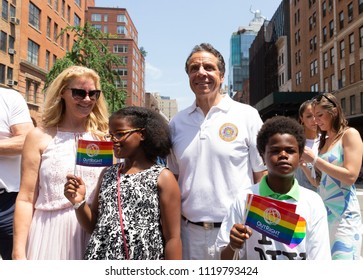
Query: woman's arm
point(170, 202)
point(353, 152)
point(28, 193)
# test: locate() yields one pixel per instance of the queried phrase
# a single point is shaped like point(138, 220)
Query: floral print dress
point(140, 237)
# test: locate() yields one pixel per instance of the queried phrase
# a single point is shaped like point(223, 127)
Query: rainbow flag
point(275, 219)
point(299, 234)
point(94, 153)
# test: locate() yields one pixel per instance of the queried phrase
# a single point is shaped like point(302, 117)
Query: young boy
point(280, 142)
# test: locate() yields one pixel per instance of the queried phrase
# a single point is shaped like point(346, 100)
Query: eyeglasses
point(80, 94)
point(118, 135)
point(320, 96)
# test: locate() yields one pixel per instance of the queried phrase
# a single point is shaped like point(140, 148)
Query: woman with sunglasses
point(45, 223)
point(136, 212)
point(306, 174)
point(339, 160)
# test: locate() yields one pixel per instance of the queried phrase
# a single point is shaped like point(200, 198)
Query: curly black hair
point(280, 125)
point(157, 139)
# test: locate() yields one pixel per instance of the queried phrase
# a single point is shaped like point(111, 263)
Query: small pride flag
point(275, 219)
point(94, 153)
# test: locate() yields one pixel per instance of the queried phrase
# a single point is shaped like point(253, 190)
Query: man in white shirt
point(214, 153)
point(15, 123)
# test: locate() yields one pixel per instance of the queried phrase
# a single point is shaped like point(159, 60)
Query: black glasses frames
point(320, 96)
point(116, 136)
point(80, 94)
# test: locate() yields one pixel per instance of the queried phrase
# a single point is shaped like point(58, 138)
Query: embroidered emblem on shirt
point(228, 132)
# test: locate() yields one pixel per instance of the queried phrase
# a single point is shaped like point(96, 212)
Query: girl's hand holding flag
point(75, 189)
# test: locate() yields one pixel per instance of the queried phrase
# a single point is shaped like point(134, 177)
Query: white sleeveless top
point(57, 161)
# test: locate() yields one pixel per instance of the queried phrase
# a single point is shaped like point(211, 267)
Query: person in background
point(15, 123)
point(214, 152)
point(136, 212)
point(339, 160)
point(280, 142)
point(306, 174)
point(45, 223)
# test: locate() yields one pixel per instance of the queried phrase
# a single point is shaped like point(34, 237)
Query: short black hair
point(157, 139)
point(280, 125)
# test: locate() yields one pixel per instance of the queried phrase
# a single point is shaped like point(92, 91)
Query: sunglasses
point(80, 94)
point(320, 96)
point(118, 135)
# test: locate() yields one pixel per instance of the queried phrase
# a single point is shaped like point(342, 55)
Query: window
point(361, 102)
point(121, 18)
point(3, 41)
point(121, 30)
point(351, 43)
point(68, 14)
point(10, 73)
point(361, 69)
point(120, 48)
point(2, 73)
point(11, 42)
point(68, 39)
point(361, 36)
point(47, 60)
point(96, 17)
point(332, 53)
point(34, 16)
point(97, 26)
point(331, 29)
point(77, 20)
point(341, 20)
point(78, 2)
point(342, 78)
point(55, 32)
point(324, 34)
point(105, 18)
point(325, 58)
point(323, 7)
point(12, 11)
point(5, 10)
point(61, 38)
point(105, 29)
point(352, 104)
point(56, 5)
point(31, 90)
point(333, 82)
point(121, 71)
point(360, 6)
point(326, 85)
point(350, 12)
point(33, 52)
point(63, 9)
point(351, 73)
point(49, 22)
point(343, 105)
point(342, 52)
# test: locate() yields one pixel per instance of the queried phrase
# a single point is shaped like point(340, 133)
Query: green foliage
point(90, 49)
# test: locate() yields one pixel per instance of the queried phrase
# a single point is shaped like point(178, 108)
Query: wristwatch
point(78, 204)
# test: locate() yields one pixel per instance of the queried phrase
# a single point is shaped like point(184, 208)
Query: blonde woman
point(45, 223)
point(339, 160)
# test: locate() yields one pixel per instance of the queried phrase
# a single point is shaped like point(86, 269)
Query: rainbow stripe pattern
point(94, 153)
point(275, 219)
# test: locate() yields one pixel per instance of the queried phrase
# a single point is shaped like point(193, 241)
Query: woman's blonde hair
point(54, 106)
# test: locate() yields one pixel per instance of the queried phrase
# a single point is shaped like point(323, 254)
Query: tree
point(90, 49)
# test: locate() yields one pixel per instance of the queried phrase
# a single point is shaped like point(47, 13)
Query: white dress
point(55, 233)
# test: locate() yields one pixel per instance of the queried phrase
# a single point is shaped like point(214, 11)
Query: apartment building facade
point(327, 48)
point(124, 42)
point(30, 45)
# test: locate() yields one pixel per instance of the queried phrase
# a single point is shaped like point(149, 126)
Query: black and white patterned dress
point(140, 214)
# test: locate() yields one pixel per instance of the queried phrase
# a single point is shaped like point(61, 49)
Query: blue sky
point(169, 29)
